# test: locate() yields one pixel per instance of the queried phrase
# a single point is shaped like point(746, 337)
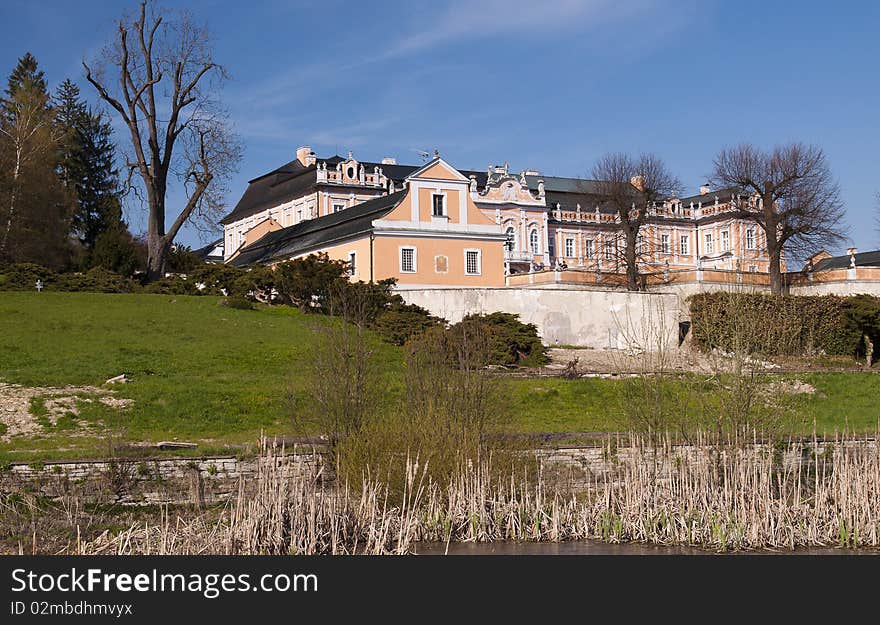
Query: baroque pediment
point(507, 190)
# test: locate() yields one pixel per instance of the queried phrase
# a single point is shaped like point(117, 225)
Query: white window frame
point(684, 245)
point(569, 247)
point(710, 243)
point(334, 204)
point(479, 254)
point(725, 240)
point(751, 239)
point(415, 263)
point(352, 262)
point(534, 246)
point(610, 252)
point(444, 208)
point(589, 248)
point(664, 243)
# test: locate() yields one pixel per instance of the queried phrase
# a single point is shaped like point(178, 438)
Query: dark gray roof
point(312, 233)
point(564, 185)
point(863, 259)
point(294, 179)
point(723, 195)
point(569, 202)
point(205, 252)
point(291, 180)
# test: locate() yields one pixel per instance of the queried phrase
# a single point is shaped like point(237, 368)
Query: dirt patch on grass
point(25, 410)
point(612, 362)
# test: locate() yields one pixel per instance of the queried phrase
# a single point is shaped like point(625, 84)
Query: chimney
point(305, 155)
point(705, 189)
point(389, 160)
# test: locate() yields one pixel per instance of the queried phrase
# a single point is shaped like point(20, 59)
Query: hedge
point(783, 325)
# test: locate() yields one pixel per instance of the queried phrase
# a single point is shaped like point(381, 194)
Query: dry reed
point(724, 498)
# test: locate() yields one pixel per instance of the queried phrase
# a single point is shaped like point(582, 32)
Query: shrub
point(510, 341)
point(402, 322)
point(96, 280)
point(307, 282)
point(237, 302)
point(24, 276)
point(863, 320)
point(173, 285)
point(779, 325)
point(216, 279)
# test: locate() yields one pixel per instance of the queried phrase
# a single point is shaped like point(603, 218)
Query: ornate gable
point(503, 188)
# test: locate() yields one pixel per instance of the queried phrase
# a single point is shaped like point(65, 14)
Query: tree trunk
point(632, 266)
point(774, 251)
point(157, 253)
point(12, 197)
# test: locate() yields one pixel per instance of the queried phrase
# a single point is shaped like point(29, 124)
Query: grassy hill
point(199, 372)
point(219, 377)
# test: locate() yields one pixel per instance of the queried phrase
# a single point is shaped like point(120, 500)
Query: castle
point(435, 225)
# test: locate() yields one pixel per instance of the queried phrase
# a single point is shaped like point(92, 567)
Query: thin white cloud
point(462, 20)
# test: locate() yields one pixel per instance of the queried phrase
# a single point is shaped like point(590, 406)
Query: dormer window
point(438, 205)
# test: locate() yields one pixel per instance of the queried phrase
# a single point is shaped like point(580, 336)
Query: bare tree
point(630, 186)
point(794, 198)
point(160, 77)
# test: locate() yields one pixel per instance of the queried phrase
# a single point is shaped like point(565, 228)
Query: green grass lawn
point(216, 376)
point(847, 401)
point(199, 372)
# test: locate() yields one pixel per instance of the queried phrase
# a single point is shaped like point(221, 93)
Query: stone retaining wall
point(205, 480)
point(146, 481)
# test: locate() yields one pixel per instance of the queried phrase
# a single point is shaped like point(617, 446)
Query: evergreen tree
point(87, 166)
point(34, 206)
point(26, 73)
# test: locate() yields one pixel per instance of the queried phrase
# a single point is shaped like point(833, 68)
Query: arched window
point(511, 238)
point(533, 242)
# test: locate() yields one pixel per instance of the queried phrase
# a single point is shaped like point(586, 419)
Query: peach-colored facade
point(434, 235)
point(514, 223)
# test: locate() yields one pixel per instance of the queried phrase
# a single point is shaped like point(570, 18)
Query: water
point(598, 548)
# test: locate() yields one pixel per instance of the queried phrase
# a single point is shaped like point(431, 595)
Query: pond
point(598, 548)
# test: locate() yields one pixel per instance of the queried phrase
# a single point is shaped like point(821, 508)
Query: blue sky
point(549, 84)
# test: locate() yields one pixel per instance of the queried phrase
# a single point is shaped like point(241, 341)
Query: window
point(750, 239)
point(438, 205)
point(408, 260)
point(753, 268)
point(609, 250)
point(337, 206)
point(685, 245)
point(472, 262)
point(640, 244)
point(569, 248)
point(709, 246)
point(352, 263)
point(534, 246)
point(664, 243)
point(588, 248)
point(725, 241)
point(299, 215)
point(511, 238)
